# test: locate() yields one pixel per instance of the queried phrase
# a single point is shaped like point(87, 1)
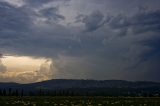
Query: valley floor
point(79, 101)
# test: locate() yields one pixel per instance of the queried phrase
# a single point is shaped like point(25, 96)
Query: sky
point(79, 39)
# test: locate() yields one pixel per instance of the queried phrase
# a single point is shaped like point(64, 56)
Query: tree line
point(111, 92)
point(11, 92)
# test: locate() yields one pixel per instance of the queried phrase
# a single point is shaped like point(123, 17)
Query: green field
point(78, 101)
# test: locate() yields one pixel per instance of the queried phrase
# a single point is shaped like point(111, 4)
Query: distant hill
point(69, 83)
point(107, 87)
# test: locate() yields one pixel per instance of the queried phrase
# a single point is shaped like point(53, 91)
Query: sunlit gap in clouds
point(25, 69)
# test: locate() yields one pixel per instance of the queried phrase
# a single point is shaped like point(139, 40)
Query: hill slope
point(96, 87)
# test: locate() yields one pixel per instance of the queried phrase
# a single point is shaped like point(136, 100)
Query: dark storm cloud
point(52, 14)
point(13, 18)
point(93, 21)
point(154, 45)
point(147, 23)
point(145, 26)
point(153, 67)
point(14, 24)
point(116, 46)
point(139, 47)
point(18, 32)
point(39, 3)
point(119, 21)
point(140, 23)
point(148, 69)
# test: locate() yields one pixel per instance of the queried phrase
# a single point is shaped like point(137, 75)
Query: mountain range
point(119, 87)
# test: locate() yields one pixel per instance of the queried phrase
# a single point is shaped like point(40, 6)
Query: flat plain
point(79, 101)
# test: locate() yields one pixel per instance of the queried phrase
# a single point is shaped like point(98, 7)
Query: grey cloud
point(15, 23)
point(39, 3)
point(140, 23)
point(52, 14)
point(146, 22)
point(152, 67)
point(154, 45)
point(93, 21)
point(119, 21)
point(18, 31)
point(13, 18)
point(69, 67)
point(98, 54)
point(146, 70)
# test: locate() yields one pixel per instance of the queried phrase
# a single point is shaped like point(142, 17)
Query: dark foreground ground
point(78, 101)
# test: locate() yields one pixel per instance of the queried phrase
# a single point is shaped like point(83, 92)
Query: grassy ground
point(78, 101)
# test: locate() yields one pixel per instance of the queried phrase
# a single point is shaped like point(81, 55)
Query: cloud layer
point(103, 40)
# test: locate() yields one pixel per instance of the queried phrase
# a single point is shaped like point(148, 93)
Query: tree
point(16, 93)
point(10, 92)
point(1, 92)
point(4, 92)
point(22, 92)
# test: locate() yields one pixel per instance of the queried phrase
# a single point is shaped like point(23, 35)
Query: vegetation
point(61, 87)
point(110, 92)
point(78, 101)
point(84, 93)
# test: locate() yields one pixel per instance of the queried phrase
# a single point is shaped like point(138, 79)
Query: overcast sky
point(79, 39)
